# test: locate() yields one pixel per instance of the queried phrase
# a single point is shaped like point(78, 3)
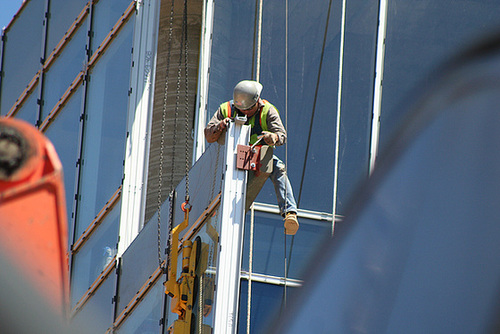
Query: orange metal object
point(33, 223)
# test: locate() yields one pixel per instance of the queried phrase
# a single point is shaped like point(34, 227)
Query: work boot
point(291, 223)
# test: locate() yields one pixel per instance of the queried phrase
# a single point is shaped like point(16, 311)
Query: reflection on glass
point(268, 245)
point(96, 316)
point(67, 125)
point(63, 71)
point(95, 255)
point(21, 58)
point(206, 242)
point(105, 128)
point(146, 316)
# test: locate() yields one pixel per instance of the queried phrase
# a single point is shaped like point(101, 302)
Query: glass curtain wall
point(316, 34)
point(421, 37)
point(74, 86)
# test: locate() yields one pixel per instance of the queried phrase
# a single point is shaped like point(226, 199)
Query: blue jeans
point(283, 188)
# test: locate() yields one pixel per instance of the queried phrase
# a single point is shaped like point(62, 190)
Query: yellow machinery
point(183, 290)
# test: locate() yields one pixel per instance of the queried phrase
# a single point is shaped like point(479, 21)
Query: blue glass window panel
point(419, 40)
point(315, 190)
point(268, 246)
point(232, 48)
point(420, 251)
point(357, 98)
point(64, 132)
point(105, 128)
point(96, 316)
point(29, 109)
point(140, 259)
point(105, 16)
point(266, 303)
point(204, 184)
point(62, 15)
point(146, 316)
point(95, 254)
point(64, 70)
point(22, 50)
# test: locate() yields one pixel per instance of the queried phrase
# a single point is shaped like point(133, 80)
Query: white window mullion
point(377, 90)
point(139, 118)
point(203, 78)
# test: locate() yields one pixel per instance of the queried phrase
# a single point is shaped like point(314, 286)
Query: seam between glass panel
point(100, 50)
point(16, 15)
point(67, 36)
point(69, 92)
point(201, 220)
point(112, 34)
point(97, 220)
point(104, 274)
point(138, 297)
point(62, 101)
point(62, 43)
point(27, 91)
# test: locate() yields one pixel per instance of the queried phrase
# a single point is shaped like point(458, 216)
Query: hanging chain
point(162, 137)
point(186, 97)
point(183, 47)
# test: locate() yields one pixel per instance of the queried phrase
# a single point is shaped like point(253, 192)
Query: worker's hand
point(223, 124)
point(270, 138)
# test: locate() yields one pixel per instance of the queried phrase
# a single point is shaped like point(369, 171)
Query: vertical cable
point(337, 127)
point(286, 143)
point(313, 112)
point(257, 78)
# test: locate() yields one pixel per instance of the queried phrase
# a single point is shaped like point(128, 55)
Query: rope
point(162, 136)
point(286, 143)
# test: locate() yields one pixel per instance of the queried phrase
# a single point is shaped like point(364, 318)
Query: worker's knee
point(279, 165)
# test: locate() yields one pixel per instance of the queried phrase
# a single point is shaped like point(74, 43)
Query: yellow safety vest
point(226, 109)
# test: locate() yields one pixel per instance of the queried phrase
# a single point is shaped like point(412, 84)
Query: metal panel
point(231, 237)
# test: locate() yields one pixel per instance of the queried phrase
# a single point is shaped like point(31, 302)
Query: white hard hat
point(246, 93)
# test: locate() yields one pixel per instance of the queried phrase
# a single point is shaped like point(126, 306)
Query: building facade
point(124, 88)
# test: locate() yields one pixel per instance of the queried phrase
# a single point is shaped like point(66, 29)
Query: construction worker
point(265, 122)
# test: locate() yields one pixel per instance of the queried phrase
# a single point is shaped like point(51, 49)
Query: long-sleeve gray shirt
point(274, 125)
